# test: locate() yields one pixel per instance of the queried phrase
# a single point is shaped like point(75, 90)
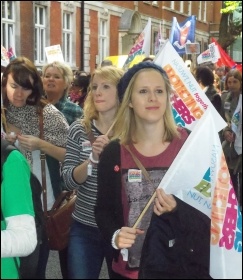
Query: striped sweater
point(87, 191)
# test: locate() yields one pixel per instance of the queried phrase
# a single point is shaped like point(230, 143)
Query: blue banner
point(182, 33)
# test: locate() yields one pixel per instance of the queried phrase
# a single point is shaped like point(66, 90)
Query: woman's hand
point(100, 142)
point(126, 237)
point(11, 137)
point(229, 136)
point(163, 202)
point(29, 142)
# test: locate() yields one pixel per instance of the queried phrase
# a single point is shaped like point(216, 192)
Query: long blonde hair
point(111, 74)
point(125, 119)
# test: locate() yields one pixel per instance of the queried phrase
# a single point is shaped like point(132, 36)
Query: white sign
point(54, 53)
point(214, 52)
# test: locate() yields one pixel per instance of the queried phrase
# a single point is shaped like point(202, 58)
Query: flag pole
point(144, 210)
point(109, 130)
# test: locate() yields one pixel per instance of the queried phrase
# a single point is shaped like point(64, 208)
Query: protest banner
point(224, 59)
point(4, 56)
point(192, 48)
point(141, 46)
point(159, 41)
point(189, 102)
point(11, 49)
point(182, 33)
point(214, 52)
point(54, 53)
point(206, 186)
point(204, 57)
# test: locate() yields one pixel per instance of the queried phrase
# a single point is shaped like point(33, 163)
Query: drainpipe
point(82, 37)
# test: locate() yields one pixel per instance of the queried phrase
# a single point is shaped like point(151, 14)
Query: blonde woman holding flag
point(146, 140)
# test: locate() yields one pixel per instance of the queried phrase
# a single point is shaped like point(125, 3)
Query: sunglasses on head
point(74, 85)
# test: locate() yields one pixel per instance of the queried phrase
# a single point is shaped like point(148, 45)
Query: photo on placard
point(192, 48)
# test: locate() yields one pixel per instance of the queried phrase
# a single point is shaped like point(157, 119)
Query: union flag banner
point(141, 46)
point(182, 33)
point(188, 100)
point(199, 176)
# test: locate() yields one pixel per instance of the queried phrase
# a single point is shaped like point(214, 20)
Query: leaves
point(230, 25)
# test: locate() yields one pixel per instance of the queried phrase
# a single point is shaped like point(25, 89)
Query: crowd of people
point(110, 135)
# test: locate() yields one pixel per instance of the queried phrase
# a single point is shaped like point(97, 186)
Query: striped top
point(77, 151)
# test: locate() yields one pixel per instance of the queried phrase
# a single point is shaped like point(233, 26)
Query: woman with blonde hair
point(57, 78)
point(145, 131)
point(86, 140)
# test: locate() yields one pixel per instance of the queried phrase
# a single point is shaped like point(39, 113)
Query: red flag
point(225, 59)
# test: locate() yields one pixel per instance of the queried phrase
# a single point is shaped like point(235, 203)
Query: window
point(8, 25)
point(40, 34)
point(202, 10)
point(189, 8)
point(181, 6)
point(67, 37)
point(103, 38)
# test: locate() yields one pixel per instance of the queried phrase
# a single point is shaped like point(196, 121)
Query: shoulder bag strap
point(43, 165)
point(139, 164)
point(4, 120)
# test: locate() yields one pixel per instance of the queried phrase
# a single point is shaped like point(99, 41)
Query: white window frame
point(40, 34)
point(103, 39)
point(8, 24)
point(181, 6)
point(172, 5)
point(202, 11)
point(67, 36)
point(189, 8)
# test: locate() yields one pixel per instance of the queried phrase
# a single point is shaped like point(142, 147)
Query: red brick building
point(88, 31)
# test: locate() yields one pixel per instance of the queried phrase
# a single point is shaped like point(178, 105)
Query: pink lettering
point(183, 110)
point(229, 225)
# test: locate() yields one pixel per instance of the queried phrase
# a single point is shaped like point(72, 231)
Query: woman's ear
point(130, 104)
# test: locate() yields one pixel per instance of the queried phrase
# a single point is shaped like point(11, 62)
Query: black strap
point(4, 120)
point(43, 164)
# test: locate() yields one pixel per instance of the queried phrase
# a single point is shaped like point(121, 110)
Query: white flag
point(200, 177)
point(189, 102)
point(141, 46)
point(214, 52)
point(204, 57)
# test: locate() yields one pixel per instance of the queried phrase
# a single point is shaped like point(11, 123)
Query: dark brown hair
point(233, 73)
point(22, 69)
